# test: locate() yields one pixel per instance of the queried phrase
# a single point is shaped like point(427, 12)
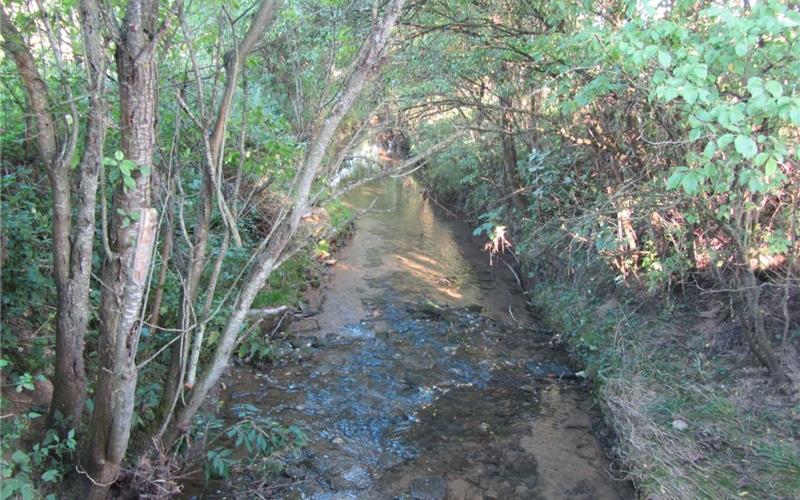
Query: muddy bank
point(424, 376)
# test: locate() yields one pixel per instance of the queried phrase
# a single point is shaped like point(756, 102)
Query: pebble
point(428, 488)
point(679, 425)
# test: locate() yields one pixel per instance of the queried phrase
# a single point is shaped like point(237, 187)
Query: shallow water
point(412, 382)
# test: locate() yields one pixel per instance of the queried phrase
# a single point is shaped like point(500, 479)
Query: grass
point(741, 439)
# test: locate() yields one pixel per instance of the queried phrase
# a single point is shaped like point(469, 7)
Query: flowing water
point(412, 379)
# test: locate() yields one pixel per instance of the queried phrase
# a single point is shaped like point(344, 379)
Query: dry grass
point(656, 372)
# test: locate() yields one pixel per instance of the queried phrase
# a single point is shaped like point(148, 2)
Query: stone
point(358, 476)
point(679, 425)
point(428, 488)
point(294, 472)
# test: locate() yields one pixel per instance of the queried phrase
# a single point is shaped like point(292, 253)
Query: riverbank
point(694, 415)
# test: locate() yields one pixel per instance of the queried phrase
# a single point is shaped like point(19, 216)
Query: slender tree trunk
point(71, 261)
point(214, 145)
point(510, 155)
point(368, 61)
point(131, 239)
point(167, 240)
point(74, 323)
point(754, 332)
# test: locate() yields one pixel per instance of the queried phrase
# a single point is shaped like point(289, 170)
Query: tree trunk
point(69, 397)
point(755, 332)
point(71, 262)
point(510, 181)
point(131, 239)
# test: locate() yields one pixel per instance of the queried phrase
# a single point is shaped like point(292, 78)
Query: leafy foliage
point(260, 437)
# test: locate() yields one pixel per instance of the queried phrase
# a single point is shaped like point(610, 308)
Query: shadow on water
point(419, 381)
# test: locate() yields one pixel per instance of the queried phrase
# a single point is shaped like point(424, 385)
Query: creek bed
point(423, 376)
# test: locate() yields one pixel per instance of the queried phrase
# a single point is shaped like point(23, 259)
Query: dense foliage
point(655, 144)
point(662, 141)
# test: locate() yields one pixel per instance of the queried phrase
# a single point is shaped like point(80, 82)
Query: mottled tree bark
point(72, 253)
point(131, 240)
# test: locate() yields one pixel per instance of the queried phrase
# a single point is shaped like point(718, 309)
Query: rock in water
point(428, 488)
point(549, 370)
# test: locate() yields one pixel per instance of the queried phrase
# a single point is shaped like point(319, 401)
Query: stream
point(424, 375)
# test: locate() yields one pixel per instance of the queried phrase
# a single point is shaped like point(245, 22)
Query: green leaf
point(745, 146)
point(50, 475)
point(724, 140)
point(709, 150)
point(20, 457)
point(674, 180)
point(771, 167)
point(118, 155)
point(774, 88)
point(741, 48)
point(690, 184)
point(27, 492)
point(689, 94)
point(794, 115)
point(756, 86)
point(129, 183)
point(756, 184)
point(701, 71)
point(127, 166)
point(664, 58)
point(669, 93)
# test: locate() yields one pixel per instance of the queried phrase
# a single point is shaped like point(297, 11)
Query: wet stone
point(358, 476)
point(428, 488)
point(294, 472)
point(241, 394)
point(283, 349)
